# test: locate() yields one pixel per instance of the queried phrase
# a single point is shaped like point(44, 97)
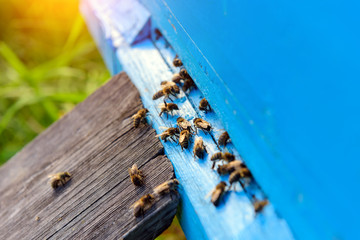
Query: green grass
point(47, 66)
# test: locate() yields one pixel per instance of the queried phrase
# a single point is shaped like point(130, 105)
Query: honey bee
point(136, 176)
point(166, 187)
point(238, 175)
point(184, 124)
point(177, 62)
point(259, 204)
point(217, 193)
point(224, 137)
point(158, 34)
point(184, 139)
point(228, 157)
point(174, 88)
point(230, 167)
point(143, 204)
point(166, 91)
point(139, 117)
point(202, 124)
point(59, 179)
point(199, 148)
point(176, 78)
point(204, 105)
point(184, 73)
point(170, 132)
point(189, 83)
point(168, 107)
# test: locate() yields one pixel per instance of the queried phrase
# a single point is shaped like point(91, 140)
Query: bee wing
point(167, 83)
point(161, 127)
point(209, 194)
point(182, 137)
point(215, 195)
point(203, 124)
point(161, 105)
point(161, 134)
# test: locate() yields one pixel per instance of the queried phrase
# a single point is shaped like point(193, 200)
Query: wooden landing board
point(96, 143)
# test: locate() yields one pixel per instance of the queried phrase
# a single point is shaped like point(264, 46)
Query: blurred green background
point(48, 64)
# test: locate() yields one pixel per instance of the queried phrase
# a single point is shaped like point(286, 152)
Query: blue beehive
point(282, 77)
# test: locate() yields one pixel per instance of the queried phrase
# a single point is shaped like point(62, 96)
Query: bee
point(59, 179)
point(202, 124)
point(176, 78)
point(230, 167)
point(189, 83)
point(228, 157)
point(238, 175)
point(177, 62)
point(199, 148)
point(223, 139)
point(168, 107)
point(184, 124)
point(158, 34)
point(143, 204)
point(170, 132)
point(217, 193)
point(166, 187)
point(184, 73)
point(174, 88)
point(204, 105)
point(259, 204)
point(139, 117)
point(166, 91)
point(184, 139)
point(136, 176)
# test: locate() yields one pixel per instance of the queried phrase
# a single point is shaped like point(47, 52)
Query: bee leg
point(161, 113)
point(213, 165)
point(242, 185)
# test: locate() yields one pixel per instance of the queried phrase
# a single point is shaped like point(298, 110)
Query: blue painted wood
point(148, 64)
point(282, 75)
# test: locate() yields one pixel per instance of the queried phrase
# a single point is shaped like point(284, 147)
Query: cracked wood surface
point(96, 143)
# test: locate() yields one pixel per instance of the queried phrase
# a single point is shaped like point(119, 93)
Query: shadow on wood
point(96, 143)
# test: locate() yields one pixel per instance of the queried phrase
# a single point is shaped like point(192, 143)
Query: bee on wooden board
point(230, 167)
point(136, 176)
point(184, 73)
point(228, 157)
point(259, 204)
point(143, 204)
point(199, 148)
point(176, 78)
point(238, 175)
point(204, 105)
point(168, 108)
point(188, 84)
point(59, 179)
point(166, 187)
point(169, 132)
point(202, 124)
point(217, 193)
point(184, 139)
point(139, 117)
point(184, 124)
point(223, 139)
point(177, 62)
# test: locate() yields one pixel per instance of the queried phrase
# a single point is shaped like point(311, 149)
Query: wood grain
point(96, 143)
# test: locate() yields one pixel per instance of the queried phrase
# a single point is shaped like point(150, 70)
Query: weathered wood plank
point(96, 143)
